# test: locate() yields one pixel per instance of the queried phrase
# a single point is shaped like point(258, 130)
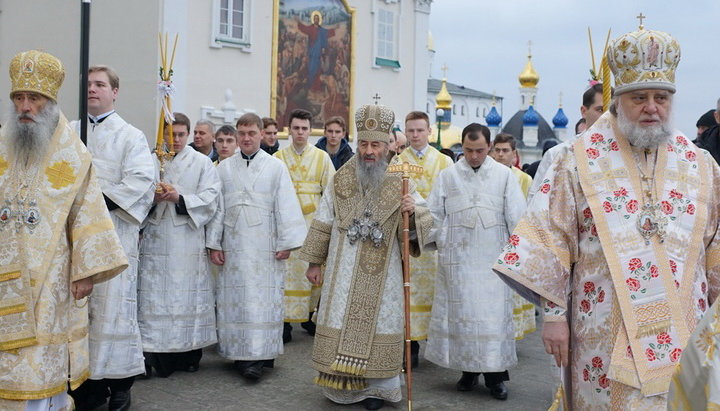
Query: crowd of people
point(121, 263)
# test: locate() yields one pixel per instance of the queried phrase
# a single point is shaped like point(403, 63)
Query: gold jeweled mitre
point(374, 122)
point(644, 59)
point(38, 72)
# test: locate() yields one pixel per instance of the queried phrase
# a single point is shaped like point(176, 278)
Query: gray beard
point(370, 175)
point(643, 137)
point(29, 141)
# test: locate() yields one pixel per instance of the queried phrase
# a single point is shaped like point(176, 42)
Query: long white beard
point(644, 137)
point(371, 175)
point(29, 141)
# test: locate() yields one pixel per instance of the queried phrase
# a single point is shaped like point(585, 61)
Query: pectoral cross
point(641, 17)
point(377, 98)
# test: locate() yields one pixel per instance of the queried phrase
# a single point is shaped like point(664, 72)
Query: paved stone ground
point(218, 386)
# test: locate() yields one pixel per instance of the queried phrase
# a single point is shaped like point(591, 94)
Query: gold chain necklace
point(651, 220)
point(21, 204)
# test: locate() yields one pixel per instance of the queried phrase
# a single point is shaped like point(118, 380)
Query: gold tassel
point(555, 406)
point(653, 329)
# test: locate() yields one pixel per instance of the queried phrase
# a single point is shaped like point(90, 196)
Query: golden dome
point(430, 41)
point(529, 77)
point(443, 99)
point(450, 135)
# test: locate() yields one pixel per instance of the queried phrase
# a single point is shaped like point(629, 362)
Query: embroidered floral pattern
point(593, 296)
point(587, 224)
point(682, 148)
point(511, 257)
point(640, 271)
point(552, 309)
point(595, 374)
point(545, 187)
point(599, 145)
point(662, 348)
point(620, 202)
point(678, 202)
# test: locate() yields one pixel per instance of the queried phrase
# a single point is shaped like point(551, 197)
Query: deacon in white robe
point(475, 204)
point(175, 290)
point(258, 223)
point(126, 173)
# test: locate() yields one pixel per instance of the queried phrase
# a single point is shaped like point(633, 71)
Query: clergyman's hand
point(556, 337)
point(217, 257)
point(282, 255)
point(314, 274)
point(407, 204)
point(81, 288)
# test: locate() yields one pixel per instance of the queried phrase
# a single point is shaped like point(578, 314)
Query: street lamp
point(440, 113)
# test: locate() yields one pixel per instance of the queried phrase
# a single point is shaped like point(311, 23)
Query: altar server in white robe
point(175, 288)
point(258, 224)
point(475, 204)
point(126, 172)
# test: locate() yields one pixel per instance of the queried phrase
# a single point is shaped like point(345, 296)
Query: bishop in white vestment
point(175, 290)
point(355, 234)
point(258, 223)
point(475, 204)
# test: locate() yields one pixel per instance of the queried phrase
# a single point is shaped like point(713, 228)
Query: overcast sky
point(484, 44)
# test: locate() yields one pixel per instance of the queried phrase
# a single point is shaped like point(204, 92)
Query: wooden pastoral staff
point(406, 169)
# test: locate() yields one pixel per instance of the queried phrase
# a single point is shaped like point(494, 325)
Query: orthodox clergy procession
point(353, 204)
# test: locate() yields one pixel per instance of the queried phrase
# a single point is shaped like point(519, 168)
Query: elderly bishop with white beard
point(58, 241)
point(620, 245)
point(356, 234)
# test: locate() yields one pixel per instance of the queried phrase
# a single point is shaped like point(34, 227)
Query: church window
point(454, 109)
point(477, 111)
point(427, 107)
point(386, 38)
point(230, 21)
point(462, 110)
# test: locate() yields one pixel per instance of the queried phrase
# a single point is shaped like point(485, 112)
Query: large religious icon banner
point(312, 60)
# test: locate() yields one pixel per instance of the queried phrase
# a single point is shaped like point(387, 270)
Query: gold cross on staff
point(405, 168)
point(641, 17)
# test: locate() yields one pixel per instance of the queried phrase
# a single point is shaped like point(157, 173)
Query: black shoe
point(499, 391)
point(373, 403)
point(468, 381)
point(192, 368)
point(119, 401)
point(252, 370)
point(309, 326)
point(287, 333)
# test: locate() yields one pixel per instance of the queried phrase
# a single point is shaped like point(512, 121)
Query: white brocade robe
point(176, 307)
point(258, 216)
point(471, 328)
point(423, 269)
point(126, 173)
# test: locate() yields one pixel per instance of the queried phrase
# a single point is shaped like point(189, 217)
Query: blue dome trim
point(493, 118)
point(531, 117)
point(560, 120)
